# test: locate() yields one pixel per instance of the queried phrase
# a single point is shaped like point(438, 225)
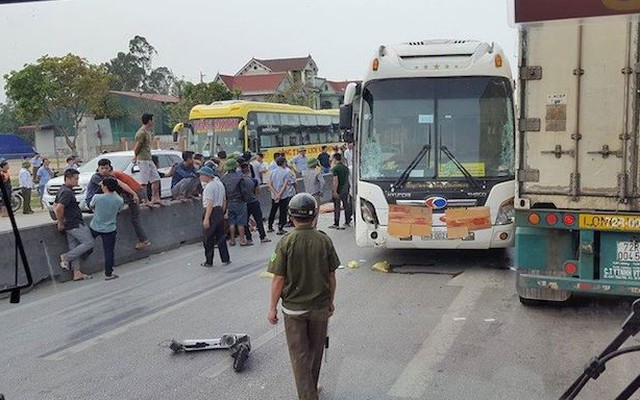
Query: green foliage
point(133, 71)
point(296, 93)
point(59, 88)
point(193, 94)
point(8, 119)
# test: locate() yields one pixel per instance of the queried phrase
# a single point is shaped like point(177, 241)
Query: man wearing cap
point(26, 185)
point(238, 192)
point(214, 204)
point(142, 155)
point(313, 180)
point(299, 162)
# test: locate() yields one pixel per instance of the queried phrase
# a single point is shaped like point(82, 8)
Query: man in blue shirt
point(299, 162)
point(281, 185)
point(324, 160)
point(184, 181)
point(106, 207)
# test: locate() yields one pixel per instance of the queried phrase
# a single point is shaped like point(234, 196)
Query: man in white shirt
point(26, 185)
point(214, 204)
point(348, 155)
point(259, 167)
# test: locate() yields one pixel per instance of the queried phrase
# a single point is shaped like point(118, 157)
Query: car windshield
point(117, 162)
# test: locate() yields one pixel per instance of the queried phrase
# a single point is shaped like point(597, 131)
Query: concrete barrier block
point(167, 228)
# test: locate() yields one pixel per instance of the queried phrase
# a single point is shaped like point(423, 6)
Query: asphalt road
point(449, 327)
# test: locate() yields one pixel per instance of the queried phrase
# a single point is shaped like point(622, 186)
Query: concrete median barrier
point(167, 227)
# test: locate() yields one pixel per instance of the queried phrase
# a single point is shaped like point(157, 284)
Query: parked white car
point(121, 160)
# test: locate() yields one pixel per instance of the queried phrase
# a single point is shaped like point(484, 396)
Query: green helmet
point(303, 206)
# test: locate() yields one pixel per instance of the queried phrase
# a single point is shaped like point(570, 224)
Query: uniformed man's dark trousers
point(306, 338)
point(281, 208)
point(345, 199)
point(215, 235)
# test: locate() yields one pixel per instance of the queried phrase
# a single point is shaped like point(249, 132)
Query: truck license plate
point(603, 222)
point(628, 251)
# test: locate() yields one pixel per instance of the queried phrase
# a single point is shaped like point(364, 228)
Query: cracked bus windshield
point(319, 200)
point(473, 117)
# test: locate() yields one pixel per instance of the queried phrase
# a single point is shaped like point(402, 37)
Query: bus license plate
point(603, 222)
point(628, 251)
point(436, 236)
point(443, 236)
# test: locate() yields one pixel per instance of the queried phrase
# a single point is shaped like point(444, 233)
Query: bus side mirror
point(346, 112)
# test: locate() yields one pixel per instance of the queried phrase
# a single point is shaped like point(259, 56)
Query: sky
point(211, 36)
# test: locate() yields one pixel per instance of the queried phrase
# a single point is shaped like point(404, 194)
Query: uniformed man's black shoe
point(281, 232)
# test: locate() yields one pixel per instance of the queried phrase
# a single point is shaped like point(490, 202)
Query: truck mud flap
point(540, 294)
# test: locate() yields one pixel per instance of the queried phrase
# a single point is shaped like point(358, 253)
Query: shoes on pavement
point(64, 264)
point(111, 277)
point(265, 240)
point(204, 264)
point(83, 277)
point(142, 245)
point(226, 262)
point(270, 230)
point(281, 232)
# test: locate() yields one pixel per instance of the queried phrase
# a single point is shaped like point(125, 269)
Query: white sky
point(221, 36)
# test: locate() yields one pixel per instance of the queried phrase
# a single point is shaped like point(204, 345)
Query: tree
point(60, 90)
point(133, 71)
point(161, 80)
point(201, 93)
point(127, 73)
point(8, 119)
point(295, 93)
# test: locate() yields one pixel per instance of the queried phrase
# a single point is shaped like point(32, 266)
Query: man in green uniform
point(142, 155)
point(304, 265)
point(340, 186)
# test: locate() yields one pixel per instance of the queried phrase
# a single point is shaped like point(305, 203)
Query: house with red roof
point(261, 79)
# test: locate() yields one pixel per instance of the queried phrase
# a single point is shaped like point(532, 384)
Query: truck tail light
point(570, 268)
point(568, 219)
point(551, 219)
point(534, 219)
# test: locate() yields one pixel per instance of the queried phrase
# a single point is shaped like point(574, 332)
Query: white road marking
point(141, 321)
point(417, 375)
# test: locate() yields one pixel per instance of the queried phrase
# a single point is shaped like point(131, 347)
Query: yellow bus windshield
point(211, 135)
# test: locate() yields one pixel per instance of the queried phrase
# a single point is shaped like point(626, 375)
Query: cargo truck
point(577, 197)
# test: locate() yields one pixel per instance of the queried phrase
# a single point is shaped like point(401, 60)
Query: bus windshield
point(212, 135)
point(469, 117)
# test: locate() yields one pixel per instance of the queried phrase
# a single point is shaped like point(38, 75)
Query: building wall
point(127, 124)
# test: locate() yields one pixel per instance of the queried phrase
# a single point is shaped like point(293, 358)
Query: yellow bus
point(237, 126)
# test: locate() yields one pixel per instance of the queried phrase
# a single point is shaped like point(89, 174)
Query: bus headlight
point(506, 213)
point(368, 212)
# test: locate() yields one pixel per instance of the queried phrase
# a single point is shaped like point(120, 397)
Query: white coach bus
point(433, 126)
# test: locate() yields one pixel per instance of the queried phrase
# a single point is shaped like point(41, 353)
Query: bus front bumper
point(499, 236)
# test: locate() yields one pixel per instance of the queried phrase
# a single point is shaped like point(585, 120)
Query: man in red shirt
point(134, 207)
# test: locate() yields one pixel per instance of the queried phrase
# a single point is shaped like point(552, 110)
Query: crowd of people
point(227, 185)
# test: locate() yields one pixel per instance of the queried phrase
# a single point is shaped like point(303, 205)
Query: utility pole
point(202, 77)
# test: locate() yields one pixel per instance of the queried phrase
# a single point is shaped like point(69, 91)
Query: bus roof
point(240, 108)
